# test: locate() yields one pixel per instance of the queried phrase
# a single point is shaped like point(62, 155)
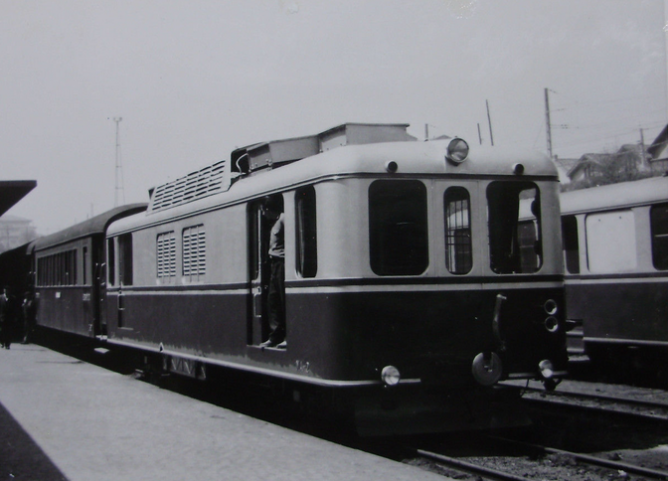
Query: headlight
point(390, 375)
point(546, 368)
point(457, 152)
point(551, 307)
point(551, 324)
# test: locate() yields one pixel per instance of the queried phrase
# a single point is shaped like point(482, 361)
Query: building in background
point(15, 231)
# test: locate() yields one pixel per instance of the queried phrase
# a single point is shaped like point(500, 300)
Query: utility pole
point(489, 120)
point(119, 166)
point(479, 134)
point(426, 131)
point(643, 151)
point(547, 123)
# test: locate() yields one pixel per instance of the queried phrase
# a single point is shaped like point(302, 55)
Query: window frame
point(394, 240)
point(454, 256)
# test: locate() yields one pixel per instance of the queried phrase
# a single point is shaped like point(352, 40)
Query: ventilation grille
point(196, 185)
point(166, 255)
point(194, 252)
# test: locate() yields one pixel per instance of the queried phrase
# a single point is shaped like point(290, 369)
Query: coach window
point(307, 245)
point(611, 241)
point(569, 235)
point(514, 222)
point(659, 226)
point(398, 227)
point(84, 267)
point(125, 259)
point(111, 258)
point(459, 254)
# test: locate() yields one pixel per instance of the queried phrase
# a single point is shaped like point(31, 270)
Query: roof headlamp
point(458, 151)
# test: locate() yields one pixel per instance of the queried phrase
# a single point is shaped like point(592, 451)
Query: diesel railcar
point(615, 243)
point(409, 292)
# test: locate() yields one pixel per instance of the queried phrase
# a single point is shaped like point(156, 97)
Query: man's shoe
point(282, 345)
point(268, 343)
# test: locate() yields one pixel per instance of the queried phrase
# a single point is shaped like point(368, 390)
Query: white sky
point(193, 79)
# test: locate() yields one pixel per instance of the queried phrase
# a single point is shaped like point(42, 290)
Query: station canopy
point(12, 191)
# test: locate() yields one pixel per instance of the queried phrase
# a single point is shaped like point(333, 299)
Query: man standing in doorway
point(273, 210)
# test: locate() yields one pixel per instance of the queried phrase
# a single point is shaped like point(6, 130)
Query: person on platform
point(28, 311)
point(6, 320)
point(273, 211)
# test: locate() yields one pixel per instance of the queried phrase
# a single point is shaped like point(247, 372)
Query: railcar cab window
point(398, 227)
point(125, 260)
point(514, 223)
point(307, 245)
point(659, 226)
point(111, 262)
point(459, 254)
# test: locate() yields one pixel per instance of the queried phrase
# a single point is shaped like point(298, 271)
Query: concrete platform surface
point(96, 425)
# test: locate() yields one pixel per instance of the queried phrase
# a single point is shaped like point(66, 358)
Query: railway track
point(583, 462)
point(605, 403)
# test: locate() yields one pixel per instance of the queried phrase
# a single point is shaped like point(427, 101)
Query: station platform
point(62, 419)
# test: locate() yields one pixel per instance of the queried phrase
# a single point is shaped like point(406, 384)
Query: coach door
point(258, 270)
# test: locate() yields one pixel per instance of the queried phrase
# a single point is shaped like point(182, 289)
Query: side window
point(307, 242)
point(659, 226)
point(569, 236)
point(459, 252)
point(611, 241)
point(194, 252)
point(70, 261)
point(111, 262)
point(84, 267)
point(166, 255)
point(398, 227)
point(125, 259)
point(514, 223)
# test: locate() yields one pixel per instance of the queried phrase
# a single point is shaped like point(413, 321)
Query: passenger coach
point(410, 286)
point(69, 275)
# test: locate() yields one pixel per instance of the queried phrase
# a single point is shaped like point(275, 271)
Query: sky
point(194, 79)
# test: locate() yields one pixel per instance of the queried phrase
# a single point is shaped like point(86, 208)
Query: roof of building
point(12, 191)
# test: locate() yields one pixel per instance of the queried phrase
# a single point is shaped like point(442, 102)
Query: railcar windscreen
point(398, 227)
point(515, 242)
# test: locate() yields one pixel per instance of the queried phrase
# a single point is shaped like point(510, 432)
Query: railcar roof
point(92, 226)
point(413, 159)
point(624, 194)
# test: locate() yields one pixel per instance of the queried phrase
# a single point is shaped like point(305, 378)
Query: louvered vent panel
point(196, 185)
point(194, 252)
point(166, 255)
